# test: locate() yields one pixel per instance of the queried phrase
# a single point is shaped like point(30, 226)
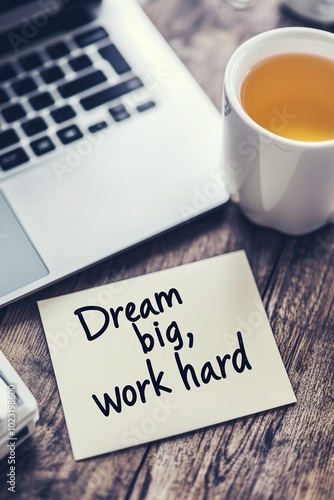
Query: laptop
point(105, 138)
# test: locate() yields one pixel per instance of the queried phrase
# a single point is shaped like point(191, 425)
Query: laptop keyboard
point(44, 95)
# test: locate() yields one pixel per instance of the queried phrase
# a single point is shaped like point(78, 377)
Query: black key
point(69, 134)
point(119, 113)
point(13, 113)
point(41, 101)
point(97, 127)
point(24, 86)
point(42, 146)
point(60, 115)
point(3, 97)
point(31, 61)
point(110, 93)
point(115, 58)
point(8, 138)
point(52, 74)
point(145, 106)
point(80, 84)
point(34, 126)
point(80, 62)
point(7, 72)
point(13, 159)
point(58, 50)
point(91, 36)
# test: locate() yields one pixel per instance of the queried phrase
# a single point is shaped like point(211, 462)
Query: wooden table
point(285, 453)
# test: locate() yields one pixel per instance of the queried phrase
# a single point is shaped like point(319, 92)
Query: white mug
point(280, 183)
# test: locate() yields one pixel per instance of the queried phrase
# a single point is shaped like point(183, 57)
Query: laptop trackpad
point(20, 264)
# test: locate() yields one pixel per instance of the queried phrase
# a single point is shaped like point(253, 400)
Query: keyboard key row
point(120, 113)
point(64, 113)
point(41, 146)
point(66, 135)
point(44, 99)
point(26, 85)
point(56, 51)
point(33, 61)
point(38, 102)
point(35, 125)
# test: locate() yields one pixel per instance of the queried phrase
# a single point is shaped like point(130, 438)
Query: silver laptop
point(105, 140)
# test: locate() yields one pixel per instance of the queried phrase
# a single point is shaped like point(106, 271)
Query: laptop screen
point(36, 19)
point(10, 4)
point(41, 4)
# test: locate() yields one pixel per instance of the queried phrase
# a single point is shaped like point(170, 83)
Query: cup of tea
point(278, 129)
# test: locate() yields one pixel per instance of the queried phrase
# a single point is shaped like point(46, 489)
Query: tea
point(292, 95)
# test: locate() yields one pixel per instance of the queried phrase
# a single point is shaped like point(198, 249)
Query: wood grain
point(285, 453)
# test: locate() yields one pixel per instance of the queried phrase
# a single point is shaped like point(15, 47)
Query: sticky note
point(162, 354)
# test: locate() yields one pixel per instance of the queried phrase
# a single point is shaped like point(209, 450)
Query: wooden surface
point(285, 453)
